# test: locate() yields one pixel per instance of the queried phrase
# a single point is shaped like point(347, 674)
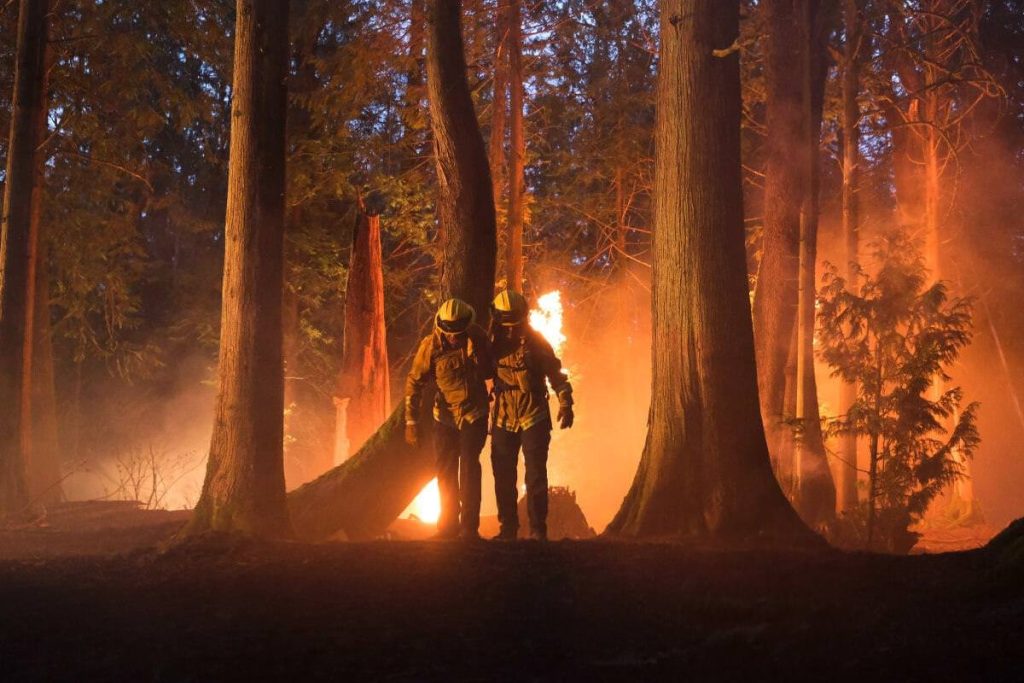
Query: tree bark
point(364, 382)
point(365, 494)
point(517, 156)
point(816, 494)
point(705, 470)
point(44, 471)
point(784, 297)
point(775, 295)
point(499, 105)
point(16, 268)
point(848, 497)
point(244, 488)
point(465, 197)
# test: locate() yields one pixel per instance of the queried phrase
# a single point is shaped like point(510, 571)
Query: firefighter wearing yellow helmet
point(456, 359)
point(520, 417)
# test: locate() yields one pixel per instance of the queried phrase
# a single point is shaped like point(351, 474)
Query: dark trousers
point(458, 474)
point(505, 447)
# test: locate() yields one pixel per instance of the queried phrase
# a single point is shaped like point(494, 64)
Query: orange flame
point(547, 319)
point(427, 505)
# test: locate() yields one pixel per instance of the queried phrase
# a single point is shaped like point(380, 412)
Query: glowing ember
point(547, 319)
point(427, 505)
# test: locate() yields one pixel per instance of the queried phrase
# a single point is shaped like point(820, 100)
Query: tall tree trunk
point(364, 382)
point(365, 494)
point(784, 298)
point(816, 494)
point(290, 331)
point(244, 488)
point(45, 467)
point(848, 498)
point(517, 147)
point(499, 105)
point(16, 268)
point(705, 470)
point(775, 296)
point(44, 475)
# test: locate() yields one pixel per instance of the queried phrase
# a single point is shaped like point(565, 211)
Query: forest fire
point(268, 266)
point(547, 319)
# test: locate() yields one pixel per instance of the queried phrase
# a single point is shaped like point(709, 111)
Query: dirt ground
point(88, 597)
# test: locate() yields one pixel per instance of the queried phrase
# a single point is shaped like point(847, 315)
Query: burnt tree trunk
point(244, 488)
point(16, 268)
point(517, 149)
point(705, 470)
point(365, 494)
point(364, 381)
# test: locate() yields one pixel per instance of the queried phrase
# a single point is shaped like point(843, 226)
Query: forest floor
point(92, 597)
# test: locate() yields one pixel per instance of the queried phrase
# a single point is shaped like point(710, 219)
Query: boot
point(506, 534)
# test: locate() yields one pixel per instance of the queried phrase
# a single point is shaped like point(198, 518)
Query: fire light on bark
point(547, 319)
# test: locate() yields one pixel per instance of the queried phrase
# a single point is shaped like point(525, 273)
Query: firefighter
point(520, 417)
point(456, 359)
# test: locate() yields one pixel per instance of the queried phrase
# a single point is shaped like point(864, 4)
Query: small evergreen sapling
point(893, 335)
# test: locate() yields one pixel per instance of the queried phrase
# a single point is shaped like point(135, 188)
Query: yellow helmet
point(454, 316)
point(509, 307)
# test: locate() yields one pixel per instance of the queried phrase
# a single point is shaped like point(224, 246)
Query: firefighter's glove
point(412, 436)
point(565, 417)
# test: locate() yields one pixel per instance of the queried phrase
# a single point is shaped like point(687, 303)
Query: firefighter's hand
point(412, 436)
point(565, 417)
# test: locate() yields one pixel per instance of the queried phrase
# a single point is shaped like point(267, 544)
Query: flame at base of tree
point(427, 505)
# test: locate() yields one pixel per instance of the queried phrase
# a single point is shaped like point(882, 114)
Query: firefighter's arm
point(559, 381)
point(420, 375)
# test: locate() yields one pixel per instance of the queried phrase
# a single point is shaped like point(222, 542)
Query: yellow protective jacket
point(459, 373)
point(525, 365)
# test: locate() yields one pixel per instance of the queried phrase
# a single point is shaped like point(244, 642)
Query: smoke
point(608, 356)
point(142, 443)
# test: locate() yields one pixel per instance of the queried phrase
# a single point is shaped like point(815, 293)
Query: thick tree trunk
point(517, 156)
point(244, 488)
point(848, 497)
point(705, 470)
point(16, 268)
point(465, 198)
point(364, 382)
point(366, 493)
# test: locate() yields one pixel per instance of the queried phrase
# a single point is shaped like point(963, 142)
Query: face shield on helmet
point(509, 308)
point(454, 317)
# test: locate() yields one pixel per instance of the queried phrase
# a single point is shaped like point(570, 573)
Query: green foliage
point(893, 335)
